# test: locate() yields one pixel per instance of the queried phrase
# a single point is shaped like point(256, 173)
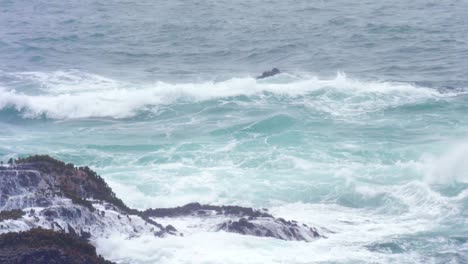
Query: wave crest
point(74, 94)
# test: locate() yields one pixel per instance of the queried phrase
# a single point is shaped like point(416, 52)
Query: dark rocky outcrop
point(242, 220)
point(267, 74)
point(196, 209)
point(40, 246)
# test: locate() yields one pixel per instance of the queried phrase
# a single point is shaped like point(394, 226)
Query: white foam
point(349, 231)
point(223, 247)
point(205, 246)
point(74, 94)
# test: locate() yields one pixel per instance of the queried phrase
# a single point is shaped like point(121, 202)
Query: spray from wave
point(449, 168)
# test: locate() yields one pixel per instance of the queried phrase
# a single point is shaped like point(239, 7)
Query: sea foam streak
point(73, 94)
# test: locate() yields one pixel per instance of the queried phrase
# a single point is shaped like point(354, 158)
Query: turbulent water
point(364, 135)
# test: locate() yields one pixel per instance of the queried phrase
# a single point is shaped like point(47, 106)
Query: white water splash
point(449, 168)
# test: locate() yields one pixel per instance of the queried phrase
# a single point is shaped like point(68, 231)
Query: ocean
point(363, 135)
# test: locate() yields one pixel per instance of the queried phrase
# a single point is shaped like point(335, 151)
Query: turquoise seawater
point(363, 135)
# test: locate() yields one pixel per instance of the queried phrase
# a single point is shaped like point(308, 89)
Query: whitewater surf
point(361, 136)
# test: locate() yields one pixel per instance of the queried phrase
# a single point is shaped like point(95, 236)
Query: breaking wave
point(74, 94)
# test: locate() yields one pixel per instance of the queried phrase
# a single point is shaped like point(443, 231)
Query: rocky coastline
point(44, 199)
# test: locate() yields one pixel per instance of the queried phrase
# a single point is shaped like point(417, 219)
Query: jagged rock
point(242, 220)
point(63, 198)
point(271, 227)
point(79, 182)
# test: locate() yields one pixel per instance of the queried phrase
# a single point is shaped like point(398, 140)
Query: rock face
point(73, 182)
point(42, 246)
point(58, 196)
point(41, 192)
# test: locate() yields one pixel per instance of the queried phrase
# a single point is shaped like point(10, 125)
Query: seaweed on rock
point(11, 215)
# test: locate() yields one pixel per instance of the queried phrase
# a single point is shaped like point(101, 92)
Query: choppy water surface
point(364, 135)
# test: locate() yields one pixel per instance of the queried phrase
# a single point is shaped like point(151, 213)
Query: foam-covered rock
point(236, 219)
point(61, 197)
